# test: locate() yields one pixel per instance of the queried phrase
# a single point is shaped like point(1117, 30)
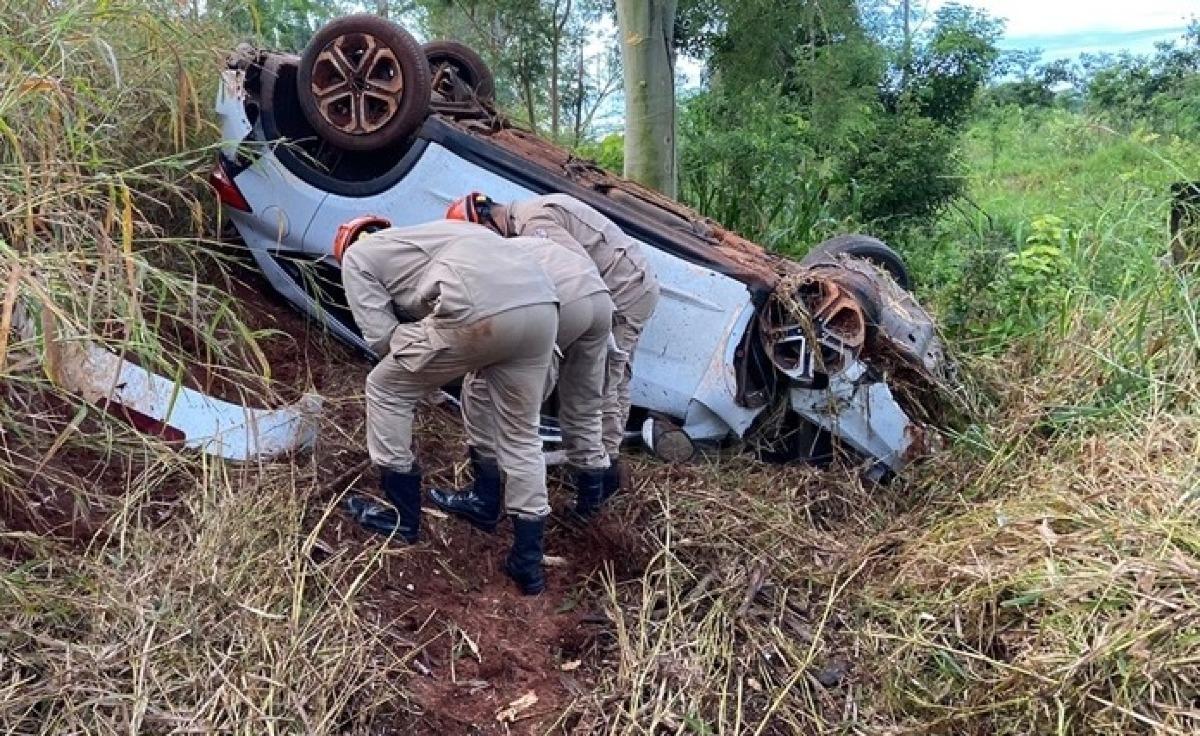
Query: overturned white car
point(799, 357)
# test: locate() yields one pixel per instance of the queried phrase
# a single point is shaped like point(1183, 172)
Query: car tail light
point(227, 192)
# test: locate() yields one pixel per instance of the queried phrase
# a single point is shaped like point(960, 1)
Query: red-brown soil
point(476, 644)
point(479, 644)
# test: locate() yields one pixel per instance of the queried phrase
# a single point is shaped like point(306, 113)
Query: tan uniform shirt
point(568, 266)
point(439, 270)
point(617, 256)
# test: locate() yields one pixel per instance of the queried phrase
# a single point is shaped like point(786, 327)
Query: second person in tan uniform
point(436, 302)
point(584, 326)
point(621, 264)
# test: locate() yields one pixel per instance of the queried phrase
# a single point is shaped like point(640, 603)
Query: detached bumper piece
point(161, 407)
point(158, 405)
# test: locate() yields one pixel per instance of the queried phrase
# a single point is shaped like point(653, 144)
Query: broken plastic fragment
point(865, 415)
point(158, 405)
point(162, 407)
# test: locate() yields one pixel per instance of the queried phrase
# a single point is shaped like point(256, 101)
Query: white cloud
point(1062, 27)
point(1038, 17)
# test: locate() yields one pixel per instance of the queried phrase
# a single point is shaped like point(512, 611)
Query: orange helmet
point(475, 207)
point(352, 230)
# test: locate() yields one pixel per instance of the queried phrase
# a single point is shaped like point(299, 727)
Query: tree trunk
point(647, 29)
point(556, 41)
point(579, 92)
point(527, 88)
point(381, 8)
point(554, 66)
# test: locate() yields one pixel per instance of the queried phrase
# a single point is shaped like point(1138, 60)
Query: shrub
point(751, 163)
point(908, 170)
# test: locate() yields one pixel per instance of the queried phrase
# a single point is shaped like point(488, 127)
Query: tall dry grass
point(141, 589)
point(1038, 576)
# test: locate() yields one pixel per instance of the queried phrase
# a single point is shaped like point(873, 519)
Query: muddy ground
point(475, 646)
point(478, 646)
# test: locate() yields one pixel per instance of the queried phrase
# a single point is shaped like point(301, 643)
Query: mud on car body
point(744, 344)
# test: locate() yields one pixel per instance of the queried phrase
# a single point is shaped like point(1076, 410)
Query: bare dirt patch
point(475, 645)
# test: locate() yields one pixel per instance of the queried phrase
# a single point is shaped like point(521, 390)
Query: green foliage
point(808, 48)
point(810, 124)
point(280, 24)
point(942, 76)
point(608, 152)
point(752, 163)
point(1033, 84)
point(1034, 281)
point(1065, 212)
point(907, 171)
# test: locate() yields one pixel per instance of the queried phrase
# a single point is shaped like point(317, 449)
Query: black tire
point(466, 65)
point(363, 83)
point(865, 247)
point(348, 173)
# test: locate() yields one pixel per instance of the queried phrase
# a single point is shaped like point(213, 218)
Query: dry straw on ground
point(1039, 576)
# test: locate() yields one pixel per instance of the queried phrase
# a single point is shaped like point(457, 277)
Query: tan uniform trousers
point(626, 330)
point(583, 329)
point(512, 350)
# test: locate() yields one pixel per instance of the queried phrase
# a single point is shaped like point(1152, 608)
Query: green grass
point(1037, 576)
point(1110, 188)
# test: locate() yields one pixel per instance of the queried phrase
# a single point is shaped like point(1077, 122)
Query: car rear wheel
point(865, 247)
point(459, 74)
point(363, 83)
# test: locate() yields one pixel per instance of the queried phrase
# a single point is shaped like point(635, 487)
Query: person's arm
point(371, 305)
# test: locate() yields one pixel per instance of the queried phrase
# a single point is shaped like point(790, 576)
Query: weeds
point(143, 590)
point(1038, 576)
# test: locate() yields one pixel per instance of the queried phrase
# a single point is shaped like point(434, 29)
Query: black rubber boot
point(589, 489)
point(481, 503)
point(524, 563)
point(404, 491)
point(612, 480)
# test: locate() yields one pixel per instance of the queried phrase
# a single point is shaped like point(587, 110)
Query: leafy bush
point(941, 79)
point(907, 171)
point(752, 164)
point(791, 143)
point(1035, 281)
point(608, 152)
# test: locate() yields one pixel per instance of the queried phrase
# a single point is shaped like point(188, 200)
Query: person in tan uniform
point(436, 302)
point(619, 260)
point(584, 325)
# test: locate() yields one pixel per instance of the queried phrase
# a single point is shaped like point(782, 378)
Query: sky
point(1062, 29)
point(1066, 28)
